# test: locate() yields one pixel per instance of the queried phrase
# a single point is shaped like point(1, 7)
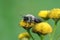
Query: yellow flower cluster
point(44, 13)
point(24, 35)
point(54, 13)
point(26, 24)
point(43, 28)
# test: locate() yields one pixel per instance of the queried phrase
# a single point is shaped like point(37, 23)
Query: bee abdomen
point(37, 20)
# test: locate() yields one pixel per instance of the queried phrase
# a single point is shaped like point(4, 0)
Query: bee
point(29, 21)
point(30, 18)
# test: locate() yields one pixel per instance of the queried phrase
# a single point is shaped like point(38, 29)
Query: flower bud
point(44, 13)
point(24, 35)
point(42, 28)
point(26, 25)
point(55, 13)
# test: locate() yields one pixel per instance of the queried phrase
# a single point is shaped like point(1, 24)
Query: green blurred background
point(11, 12)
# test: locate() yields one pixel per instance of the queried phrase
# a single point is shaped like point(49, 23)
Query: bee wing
point(37, 20)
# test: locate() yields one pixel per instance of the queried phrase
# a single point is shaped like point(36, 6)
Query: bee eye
point(25, 19)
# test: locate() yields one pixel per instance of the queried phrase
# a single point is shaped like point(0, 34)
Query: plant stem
point(42, 37)
point(50, 35)
point(30, 34)
point(54, 30)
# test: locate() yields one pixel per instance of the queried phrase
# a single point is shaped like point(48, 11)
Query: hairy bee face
point(25, 18)
point(28, 18)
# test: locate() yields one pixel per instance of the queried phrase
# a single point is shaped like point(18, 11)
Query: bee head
point(25, 18)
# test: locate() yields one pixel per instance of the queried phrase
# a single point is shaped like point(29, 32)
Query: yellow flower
point(22, 23)
point(55, 13)
point(43, 28)
point(26, 24)
point(43, 13)
point(24, 35)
